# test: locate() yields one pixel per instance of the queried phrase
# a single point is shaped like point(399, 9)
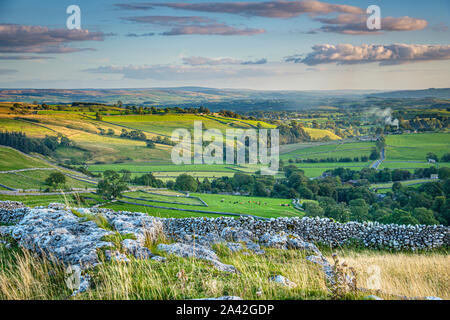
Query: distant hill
point(240, 100)
point(443, 93)
point(174, 96)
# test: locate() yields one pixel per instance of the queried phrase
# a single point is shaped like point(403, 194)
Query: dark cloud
point(357, 24)
point(260, 61)
point(351, 20)
point(383, 54)
point(194, 25)
point(271, 9)
point(135, 35)
point(212, 29)
point(38, 39)
point(24, 58)
point(169, 20)
point(203, 61)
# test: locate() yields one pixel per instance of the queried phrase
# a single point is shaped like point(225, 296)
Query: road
point(378, 162)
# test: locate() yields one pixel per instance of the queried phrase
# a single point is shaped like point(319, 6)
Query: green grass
point(263, 207)
point(164, 124)
point(162, 197)
point(320, 151)
point(33, 201)
point(151, 167)
point(12, 160)
point(35, 179)
point(9, 124)
point(416, 146)
point(388, 185)
point(412, 165)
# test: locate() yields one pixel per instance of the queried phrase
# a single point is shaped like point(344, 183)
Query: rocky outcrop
point(76, 237)
point(199, 252)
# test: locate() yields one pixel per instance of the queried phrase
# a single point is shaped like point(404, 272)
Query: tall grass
point(24, 276)
point(403, 274)
point(180, 278)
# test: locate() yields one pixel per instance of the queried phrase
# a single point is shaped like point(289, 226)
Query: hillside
point(442, 93)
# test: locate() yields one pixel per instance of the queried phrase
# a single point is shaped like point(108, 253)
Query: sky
point(261, 45)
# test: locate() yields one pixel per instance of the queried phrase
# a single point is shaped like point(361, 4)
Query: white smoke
point(386, 115)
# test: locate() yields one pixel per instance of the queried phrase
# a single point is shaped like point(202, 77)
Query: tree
point(259, 190)
point(151, 144)
point(424, 216)
point(98, 116)
point(444, 173)
point(374, 155)
point(359, 210)
point(112, 185)
point(432, 156)
point(445, 157)
point(399, 216)
point(312, 209)
point(55, 179)
point(185, 182)
point(396, 186)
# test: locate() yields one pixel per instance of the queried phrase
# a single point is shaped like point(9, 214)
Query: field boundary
point(172, 195)
point(193, 210)
point(168, 202)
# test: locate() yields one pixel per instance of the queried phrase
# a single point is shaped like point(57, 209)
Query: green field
point(33, 201)
point(13, 160)
point(416, 146)
point(337, 150)
point(263, 207)
point(150, 167)
point(35, 179)
point(164, 124)
point(166, 198)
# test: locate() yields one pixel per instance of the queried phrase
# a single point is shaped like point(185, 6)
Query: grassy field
point(321, 133)
point(150, 167)
point(388, 185)
point(166, 198)
point(164, 124)
point(36, 180)
point(320, 151)
point(33, 201)
point(263, 207)
point(416, 146)
point(23, 276)
point(13, 160)
point(404, 274)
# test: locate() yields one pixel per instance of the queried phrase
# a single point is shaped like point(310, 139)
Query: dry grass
point(180, 278)
point(411, 275)
point(24, 276)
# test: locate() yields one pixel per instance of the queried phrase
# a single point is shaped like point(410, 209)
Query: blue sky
point(292, 45)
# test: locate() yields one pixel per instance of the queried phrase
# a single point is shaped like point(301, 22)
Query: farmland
point(414, 147)
point(100, 140)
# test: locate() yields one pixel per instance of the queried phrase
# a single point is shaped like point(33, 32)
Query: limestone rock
point(283, 281)
point(199, 252)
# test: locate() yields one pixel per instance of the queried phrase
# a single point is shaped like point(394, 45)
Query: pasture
point(416, 146)
point(321, 151)
point(11, 159)
point(263, 207)
point(35, 179)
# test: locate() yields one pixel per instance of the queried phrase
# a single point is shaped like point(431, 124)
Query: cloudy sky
point(291, 45)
